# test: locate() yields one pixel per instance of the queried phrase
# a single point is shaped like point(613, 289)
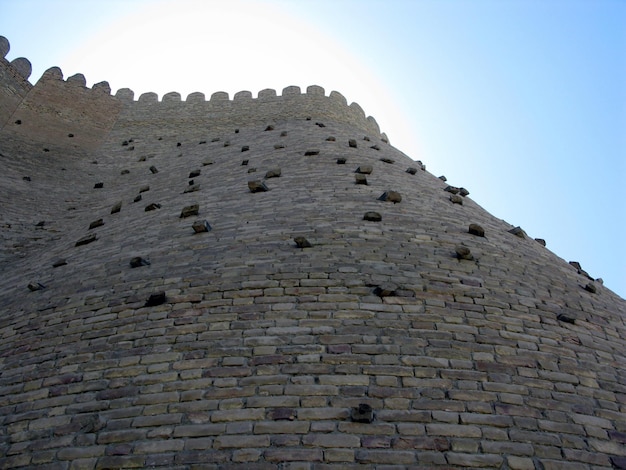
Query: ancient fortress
point(266, 283)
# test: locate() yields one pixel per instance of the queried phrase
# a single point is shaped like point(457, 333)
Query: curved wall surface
point(298, 299)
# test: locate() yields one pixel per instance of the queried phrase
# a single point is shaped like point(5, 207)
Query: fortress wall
point(14, 84)
point(260, 352)
point(61, 116)
point(147, 114)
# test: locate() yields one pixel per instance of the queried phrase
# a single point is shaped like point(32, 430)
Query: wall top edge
point(23, 68)
point(126, 95)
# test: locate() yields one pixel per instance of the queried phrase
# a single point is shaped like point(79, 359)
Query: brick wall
point(60, 116)
point(14, 79)
point(260, 352)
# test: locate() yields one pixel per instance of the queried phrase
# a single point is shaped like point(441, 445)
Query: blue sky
point(521, 102)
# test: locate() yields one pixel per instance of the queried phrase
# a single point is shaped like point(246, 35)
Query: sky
point(521, 102)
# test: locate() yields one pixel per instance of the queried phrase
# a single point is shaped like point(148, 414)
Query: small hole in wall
point(18, 122)
point(70, 135)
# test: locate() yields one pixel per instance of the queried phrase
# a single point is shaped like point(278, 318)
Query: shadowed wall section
point(14, 79)
point(267, 283)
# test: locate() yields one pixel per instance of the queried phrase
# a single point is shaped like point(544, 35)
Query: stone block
point(200, 226)
point(153, 206)
point(257, 186)
point(190, 210)
point(274, 173)
point(360, 179)
point(86, 240)
point(477, 230)
point(391, 196)
point(372, 216)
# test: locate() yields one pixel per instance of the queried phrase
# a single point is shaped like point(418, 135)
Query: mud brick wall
point(229, 284)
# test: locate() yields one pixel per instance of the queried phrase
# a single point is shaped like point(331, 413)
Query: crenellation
point(267, 93)
point(230, 327)
point(14, 78)
point(195, 97)
point(219, 96)
point(77, 79)
point(22, 66)
point(291, 91)
point(148, 97)
point(242, 96)
point(102, 87)
point(5, 47)
point(315, 90)
point(125, 95)
point(53, 73)
point(171, 97)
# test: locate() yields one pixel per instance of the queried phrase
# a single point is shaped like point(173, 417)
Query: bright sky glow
point(521, 102)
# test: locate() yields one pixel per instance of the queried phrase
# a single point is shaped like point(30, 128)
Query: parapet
point(21, 65)
point(55, 114)
point(14, 84)
point(57, 109)
point(5, 46)
point(243, 108)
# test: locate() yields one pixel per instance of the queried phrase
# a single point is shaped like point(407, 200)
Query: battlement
point(55, 114)
point(292, 95)
point(219, 111)
point(14, 79)
point(59, 115)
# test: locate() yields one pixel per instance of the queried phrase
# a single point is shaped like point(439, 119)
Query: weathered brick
point(339, 455)
point(247, 455)
point(74, 453)
point(424, 443)
point(385, 457)
point(472, 460)
point(123, 435)
point(453, 430)
point(293, 455)
point(158, 398)
point(591, 421)
point(159, 446)
point(486, 419)
point(157, 420)
point(323, 413)
point(331, 440)
point(121, 461)
point(281, 427)
point(246, 414)
point(508, 448)
point(366, 428)
point(520, 463)
point(240, 441)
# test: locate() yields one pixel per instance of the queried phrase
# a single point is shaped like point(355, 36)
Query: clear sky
point(521, 102)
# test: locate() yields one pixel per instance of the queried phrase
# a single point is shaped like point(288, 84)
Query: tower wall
point(236, 348)
point(62, 116)
point(14, 82)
